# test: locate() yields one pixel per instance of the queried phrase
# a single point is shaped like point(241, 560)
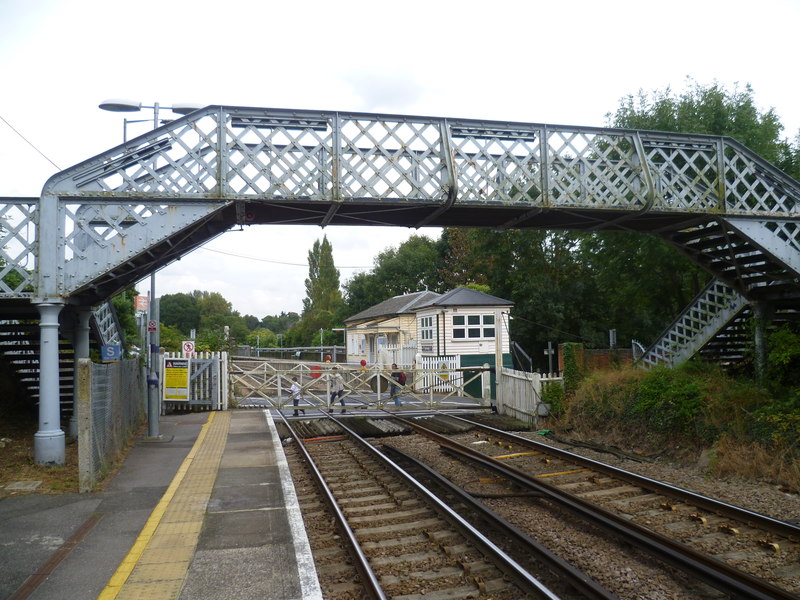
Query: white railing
point(438, 374)
point(519, 394)
point(402, 355)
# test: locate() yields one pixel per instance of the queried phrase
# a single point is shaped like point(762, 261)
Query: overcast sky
point(538, 61)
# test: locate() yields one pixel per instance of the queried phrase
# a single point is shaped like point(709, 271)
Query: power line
point(27, 141)
point(580, 337)
point(278, 262)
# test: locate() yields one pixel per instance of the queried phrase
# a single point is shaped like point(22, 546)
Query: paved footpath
point(206, 513)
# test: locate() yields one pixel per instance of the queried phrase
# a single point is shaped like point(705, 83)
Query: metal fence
point(111, 404)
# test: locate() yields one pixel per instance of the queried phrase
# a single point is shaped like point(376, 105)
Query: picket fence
point(519, 394)
point(208, 381)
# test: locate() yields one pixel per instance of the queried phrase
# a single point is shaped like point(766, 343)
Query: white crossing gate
point(208, 381)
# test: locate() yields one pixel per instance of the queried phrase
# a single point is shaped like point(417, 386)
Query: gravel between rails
point(631, 576)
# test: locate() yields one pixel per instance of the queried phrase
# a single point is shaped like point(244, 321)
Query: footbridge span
point(111, 220)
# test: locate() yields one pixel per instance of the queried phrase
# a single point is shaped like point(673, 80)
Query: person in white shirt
point(296, 394)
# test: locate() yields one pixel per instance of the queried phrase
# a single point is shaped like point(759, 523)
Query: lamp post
point(153, 401)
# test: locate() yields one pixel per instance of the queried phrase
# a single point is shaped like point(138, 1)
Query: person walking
point(296, 394)
point(337, 388)
point(398, 380)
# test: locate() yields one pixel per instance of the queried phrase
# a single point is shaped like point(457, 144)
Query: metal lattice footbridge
point(106, 223)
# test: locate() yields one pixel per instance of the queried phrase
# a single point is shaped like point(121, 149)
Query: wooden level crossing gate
point(256, 382)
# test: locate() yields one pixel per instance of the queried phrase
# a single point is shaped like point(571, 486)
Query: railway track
point(741, 553)
point(378, 533)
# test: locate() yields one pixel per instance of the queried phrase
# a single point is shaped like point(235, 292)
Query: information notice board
point(176, 379)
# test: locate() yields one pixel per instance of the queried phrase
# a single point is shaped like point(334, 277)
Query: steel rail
point(522, 542)
point(368, 578)
point(715, 573)
point(776, 526)
point(503, 560)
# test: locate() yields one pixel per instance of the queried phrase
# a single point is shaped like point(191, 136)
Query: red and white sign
point(188, 349)
point(140, 303)
point(151, 325)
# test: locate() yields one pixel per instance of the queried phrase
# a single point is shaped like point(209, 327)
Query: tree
point(180, 311)
point(323, 299)
point(413, 266)
point(251, 322)
point(714, 110)
point(280, 323)
point(322, 286)
point(261, 337)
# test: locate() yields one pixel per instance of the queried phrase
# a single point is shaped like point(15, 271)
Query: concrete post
point(85, 423)
point(49, 441)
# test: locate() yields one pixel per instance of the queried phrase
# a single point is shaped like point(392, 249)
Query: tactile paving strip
point(157, 563)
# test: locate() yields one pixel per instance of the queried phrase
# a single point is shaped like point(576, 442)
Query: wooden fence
point(519, 394)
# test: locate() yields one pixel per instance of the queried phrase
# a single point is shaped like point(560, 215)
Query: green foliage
point(696, 403)
point(251, 322)
point(553, 394)
point(262, 337)
point(323, 302)
point(170, 338)
point(573, 369)
point(669, 401)
point(180, 311)
point(411, 267)
point(784, 358)
point(280, 323)
point(322, 285)
point(212, 340)
point(123, 304)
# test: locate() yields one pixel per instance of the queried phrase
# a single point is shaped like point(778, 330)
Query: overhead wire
point(278, 262)
point(27, 141)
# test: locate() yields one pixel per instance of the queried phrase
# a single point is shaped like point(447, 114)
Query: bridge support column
point(761, 317)
point(80, 344)
point(49, 441)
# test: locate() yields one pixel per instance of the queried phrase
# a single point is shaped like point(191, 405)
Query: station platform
point(206, 512)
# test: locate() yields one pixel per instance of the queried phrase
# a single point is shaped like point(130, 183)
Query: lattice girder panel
point(108, 327)
point(278, 158)
point(180, 160)
point(594, 169)
point(755, 187)
point(102, 235)
point(685, 171)
point(705, 316)
point(17, 248)
point(497, 166)
point(391, 158)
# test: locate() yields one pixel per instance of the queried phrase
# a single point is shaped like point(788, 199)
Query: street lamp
point(119, 105)
point(153, 408)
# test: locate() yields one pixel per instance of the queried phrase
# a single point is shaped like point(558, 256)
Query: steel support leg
point(49, 441)
point(80, 344)
point(761, 317)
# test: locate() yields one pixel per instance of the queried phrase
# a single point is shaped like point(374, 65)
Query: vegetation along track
point(401, 541)
point(741, 553)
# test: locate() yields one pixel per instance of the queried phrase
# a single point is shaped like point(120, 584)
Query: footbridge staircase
point(106, 223)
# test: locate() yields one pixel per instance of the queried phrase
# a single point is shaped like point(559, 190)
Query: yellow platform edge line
point(118, 579)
